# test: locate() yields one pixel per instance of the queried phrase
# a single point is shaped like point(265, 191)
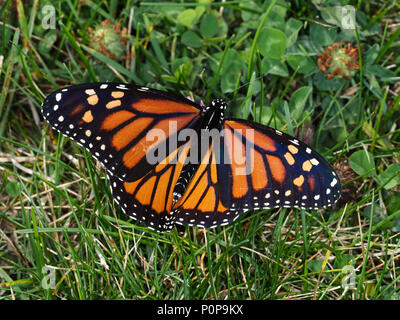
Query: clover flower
point(109, 39)
point(339, 60)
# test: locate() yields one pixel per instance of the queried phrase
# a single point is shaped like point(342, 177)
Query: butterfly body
point(171, 161)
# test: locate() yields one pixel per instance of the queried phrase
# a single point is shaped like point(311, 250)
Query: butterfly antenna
point(233, 93)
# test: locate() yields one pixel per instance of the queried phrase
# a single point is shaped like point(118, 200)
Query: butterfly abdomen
point(183, 181)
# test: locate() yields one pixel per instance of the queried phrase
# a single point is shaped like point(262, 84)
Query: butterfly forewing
point(113, 122)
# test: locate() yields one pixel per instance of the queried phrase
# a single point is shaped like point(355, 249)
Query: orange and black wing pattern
point(150, 198)
point(113, 122)
point(147, 140)
point(258, 168)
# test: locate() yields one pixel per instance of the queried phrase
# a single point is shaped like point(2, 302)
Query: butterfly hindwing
point(150, 198)
point(201, 203)
point(113, 122)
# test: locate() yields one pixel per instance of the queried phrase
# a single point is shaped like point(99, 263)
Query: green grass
point(56, 209)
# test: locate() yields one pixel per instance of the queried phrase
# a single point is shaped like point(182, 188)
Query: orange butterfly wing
point(151, 197)
point(262, 168)
point(120, 124)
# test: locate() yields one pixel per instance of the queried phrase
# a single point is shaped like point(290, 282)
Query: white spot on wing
point(90, 92)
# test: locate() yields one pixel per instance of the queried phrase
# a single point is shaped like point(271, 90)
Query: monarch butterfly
point(112, 121)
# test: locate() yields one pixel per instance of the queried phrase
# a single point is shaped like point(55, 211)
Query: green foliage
point(362, 162)
point(390, 178)
point(191, 39)
point(272, 43)
point(13, 188)
point(209, 26)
